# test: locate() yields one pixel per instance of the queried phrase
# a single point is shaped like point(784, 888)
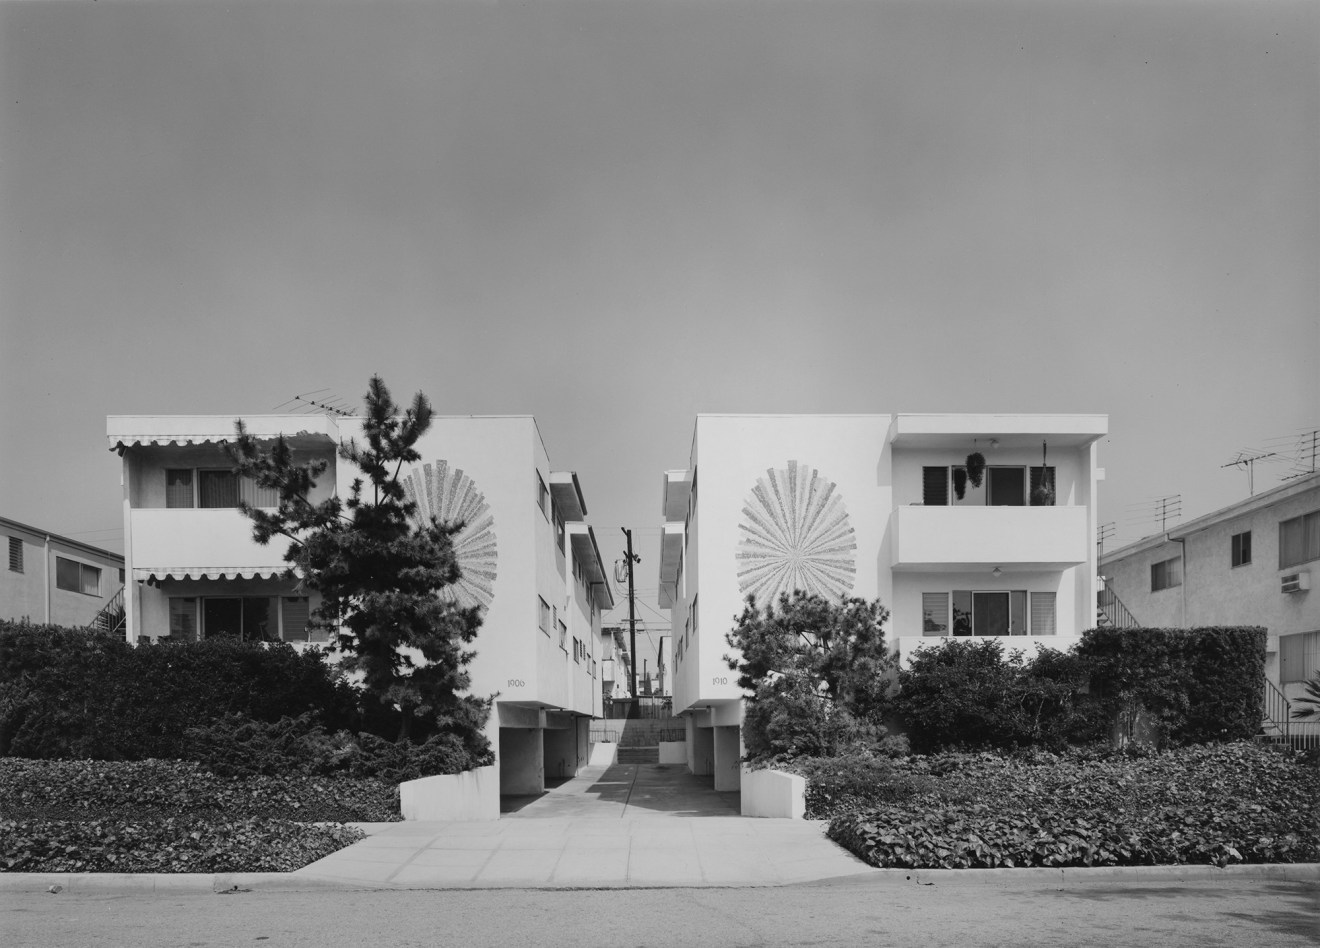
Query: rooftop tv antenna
point(317, 401)
point(1163, 509)
point(1250, 464)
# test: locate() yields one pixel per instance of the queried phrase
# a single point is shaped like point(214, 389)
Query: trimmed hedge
point(70, 693)
point(1215, 805)
point(171, 845)
point(1202, 684)
point(162, 789)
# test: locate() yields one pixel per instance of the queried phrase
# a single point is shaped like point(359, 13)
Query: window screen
point(1042, 613)
point(179, 487)
point(935, 486)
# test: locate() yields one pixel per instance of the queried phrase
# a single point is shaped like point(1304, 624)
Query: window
point(77, 577)
point(183, 619)
point(559, 526)
point(15, 554)
point(1299, 540)
point(695, 614)
point(179, 487)
point(249, 618)
point(1006, 486)
point(1166, 574)
point(215, 489)
point(935, 613)
point(935, 486)
point(577, 651)
point(1042, 614)
point(542, 495)
point(295, 619)
point(563, 636)
point(1299, 656)
point(989, 612)
point(543, 619)
point(1241, 548)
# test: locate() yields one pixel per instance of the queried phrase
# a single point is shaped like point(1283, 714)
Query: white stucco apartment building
point(867, 505)
point(1255, 562)
point(527, 554)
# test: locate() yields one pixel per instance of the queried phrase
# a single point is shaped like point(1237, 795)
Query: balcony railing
point(200, 539)
point(1022, 537)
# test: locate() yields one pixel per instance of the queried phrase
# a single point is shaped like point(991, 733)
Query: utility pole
point(632, 616)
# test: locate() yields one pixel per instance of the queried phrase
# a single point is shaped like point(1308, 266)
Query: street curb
point(239, 882)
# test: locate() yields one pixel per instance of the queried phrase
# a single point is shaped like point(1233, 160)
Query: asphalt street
point(854, 911)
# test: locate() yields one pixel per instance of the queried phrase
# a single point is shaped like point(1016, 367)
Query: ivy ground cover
point(1212, 805)
point(175, 816)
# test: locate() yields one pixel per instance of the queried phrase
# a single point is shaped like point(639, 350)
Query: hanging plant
point(1043, 493)
point(959, 482)
point(975, 468)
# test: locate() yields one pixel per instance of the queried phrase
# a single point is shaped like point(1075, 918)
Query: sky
point(615, 214)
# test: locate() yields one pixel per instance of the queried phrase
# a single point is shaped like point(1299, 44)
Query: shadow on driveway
point(626, 790)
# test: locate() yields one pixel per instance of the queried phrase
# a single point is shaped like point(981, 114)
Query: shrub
point(1215, 805)
point(136, 790)
point(1200, 684)
point(967, 693)
point(171, 845)
point(74, 694)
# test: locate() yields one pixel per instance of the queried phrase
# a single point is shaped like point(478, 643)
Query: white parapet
point(603, 754)
point(774, 794)
point(673, 752)
point(470, 796)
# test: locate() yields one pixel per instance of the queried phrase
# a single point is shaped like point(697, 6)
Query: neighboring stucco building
point(1255, 562)
point(527, 555)
point(53, 579)
point(867, 505)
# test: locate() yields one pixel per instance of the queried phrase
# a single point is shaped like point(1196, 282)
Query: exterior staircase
point(1110, 612)
point(112, 618)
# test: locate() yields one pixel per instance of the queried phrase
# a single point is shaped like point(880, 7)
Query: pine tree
point(380, 573)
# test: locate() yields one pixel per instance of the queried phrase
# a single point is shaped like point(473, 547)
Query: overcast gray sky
point(614, 215)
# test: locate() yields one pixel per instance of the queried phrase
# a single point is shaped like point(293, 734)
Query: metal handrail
point(1118, 615)
point(111, 617)
point(1278, 710)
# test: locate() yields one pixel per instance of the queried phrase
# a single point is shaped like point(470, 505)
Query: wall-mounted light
point(996, 572)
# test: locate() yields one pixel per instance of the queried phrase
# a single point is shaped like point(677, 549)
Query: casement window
point(1240, 546)
point(1299, 656)
point(990, 612)
point(543, 616)
point(1299, 540)
point(183, 619)
point(695, 615)
point(935, 486)
point(215, 488)
point(563, 636)
point(558, 519)
point(542, 496)
point(935, 613)
point(77, 577)
point(577, 651)
point(15, 555)
point(1166, 574)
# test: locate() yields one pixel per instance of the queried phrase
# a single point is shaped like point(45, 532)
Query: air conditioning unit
point(1295, 582)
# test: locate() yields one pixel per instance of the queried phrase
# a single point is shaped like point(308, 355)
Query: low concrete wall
point(604, 755)
point(774, 794)
point(469, 796)
point(673, 752)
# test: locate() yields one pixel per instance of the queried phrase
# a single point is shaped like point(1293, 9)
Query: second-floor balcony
point(953, 538)
point(199, 542)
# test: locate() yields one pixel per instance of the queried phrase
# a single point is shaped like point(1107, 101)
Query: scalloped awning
point(131, 431)
point(159, 574)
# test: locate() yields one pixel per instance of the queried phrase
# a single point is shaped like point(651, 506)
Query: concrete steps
point(639, 755)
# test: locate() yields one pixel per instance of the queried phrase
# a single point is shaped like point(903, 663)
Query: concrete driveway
point(625, 826)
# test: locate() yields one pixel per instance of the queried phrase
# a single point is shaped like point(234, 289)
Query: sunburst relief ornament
point(795, 534)
point(450, 495)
